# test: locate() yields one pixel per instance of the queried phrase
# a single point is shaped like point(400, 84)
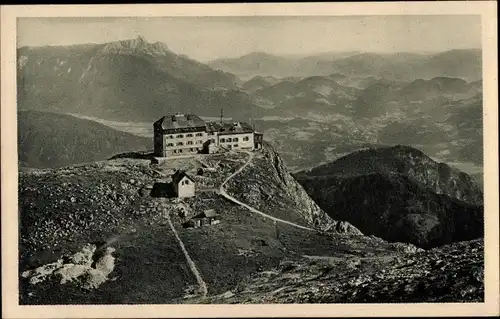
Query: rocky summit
point(91, 230)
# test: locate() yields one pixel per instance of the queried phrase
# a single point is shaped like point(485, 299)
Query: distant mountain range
point(466, 64)
point(353, 99)
point(136, 80)
point(399, 194)
point(367, 97)
point(125, 80)
point(259, 82)
point(48, 140)
point(316, 93)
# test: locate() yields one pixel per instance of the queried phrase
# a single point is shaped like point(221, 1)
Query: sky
point(208, 38)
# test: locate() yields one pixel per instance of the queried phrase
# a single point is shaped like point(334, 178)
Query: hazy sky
point(206, 38)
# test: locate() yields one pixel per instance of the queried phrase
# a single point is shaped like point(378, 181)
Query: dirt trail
point(223, 192)
point(201, 283)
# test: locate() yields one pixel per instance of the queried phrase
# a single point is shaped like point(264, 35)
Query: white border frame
point(9, 14)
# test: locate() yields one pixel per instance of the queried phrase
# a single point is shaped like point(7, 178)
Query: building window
point(228, 139)
point(212, 140)
point(180, 151)
point(246, 138)
point(199, 142)
point(175, 151)
point(235, 139)
point(199, 134)
point(189, 142)
point(235, 145)
point(170, 144)
point(180, 143)
point(222, 140)
point(186, 182)
point(210, 133)
point(191, 149)
point(180, 136)
point(189, 135)
point(170, 136)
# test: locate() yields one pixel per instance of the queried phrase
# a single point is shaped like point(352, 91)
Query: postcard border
point(11, 309)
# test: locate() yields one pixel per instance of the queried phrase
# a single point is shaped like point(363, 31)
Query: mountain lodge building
point(184, 134)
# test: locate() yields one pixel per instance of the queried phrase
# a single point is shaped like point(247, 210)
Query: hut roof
point(207, 213)
point(179, 175)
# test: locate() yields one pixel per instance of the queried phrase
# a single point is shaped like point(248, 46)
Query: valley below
point(305, 143)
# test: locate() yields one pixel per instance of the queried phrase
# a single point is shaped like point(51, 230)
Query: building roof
point(180, 121)
point(229, 128)
point(179, 175)
point(209, 213)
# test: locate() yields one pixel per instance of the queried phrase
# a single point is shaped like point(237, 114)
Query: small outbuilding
point(183, 185)
point(207, 218)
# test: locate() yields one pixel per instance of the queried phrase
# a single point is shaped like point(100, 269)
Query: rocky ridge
point(260, 194)
point(446, 274)
point(399, 194)
point(138, 45)
point(408, 161)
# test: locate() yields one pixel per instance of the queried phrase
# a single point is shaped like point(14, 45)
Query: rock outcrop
point(78, 268)
point(268, 185)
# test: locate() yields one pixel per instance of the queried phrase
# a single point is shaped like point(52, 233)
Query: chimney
point(221, 116)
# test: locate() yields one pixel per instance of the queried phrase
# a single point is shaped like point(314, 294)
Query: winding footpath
point(223, 192)
point(201, 283)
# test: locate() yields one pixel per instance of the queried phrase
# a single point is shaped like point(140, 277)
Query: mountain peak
point(138, 45)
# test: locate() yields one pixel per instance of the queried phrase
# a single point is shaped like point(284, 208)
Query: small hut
point(183, 184)
point(207, 218)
